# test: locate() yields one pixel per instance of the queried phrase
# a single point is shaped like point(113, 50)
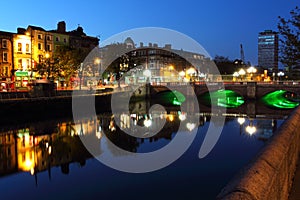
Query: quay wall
point(270, 174)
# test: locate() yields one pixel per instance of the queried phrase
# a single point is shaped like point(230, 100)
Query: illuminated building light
point(278, 99)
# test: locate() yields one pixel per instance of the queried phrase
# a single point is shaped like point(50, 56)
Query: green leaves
point(289, 30)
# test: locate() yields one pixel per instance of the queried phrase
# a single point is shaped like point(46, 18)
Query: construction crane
point(242, 54)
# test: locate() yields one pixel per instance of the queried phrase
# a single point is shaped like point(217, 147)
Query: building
point(268, 50)
point(164, 63)
point(24, 53)
point(6, 54)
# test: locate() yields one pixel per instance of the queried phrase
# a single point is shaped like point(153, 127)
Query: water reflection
point(38, 147)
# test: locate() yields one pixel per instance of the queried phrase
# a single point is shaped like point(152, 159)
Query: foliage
point(289, 30)
point(226, 66)
point(63, 64)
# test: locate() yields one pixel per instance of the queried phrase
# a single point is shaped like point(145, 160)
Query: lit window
point(5, 57)
point(4, 43)
point(19, 47)
point(27, 48)
point(20, 64)
point(48, 47)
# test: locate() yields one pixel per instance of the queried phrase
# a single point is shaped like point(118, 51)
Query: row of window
point(27, 48)
point(48, 37)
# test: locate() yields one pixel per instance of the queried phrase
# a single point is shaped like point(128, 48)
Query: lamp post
point(80, 74)
point(97, 62)
point(147, 74)
point(280, 74)
point(235, 76)
point(48, 65)
point(251, 70)
point(242, 73)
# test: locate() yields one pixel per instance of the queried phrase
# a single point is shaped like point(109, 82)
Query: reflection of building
point(268, 50)
point(8, 160)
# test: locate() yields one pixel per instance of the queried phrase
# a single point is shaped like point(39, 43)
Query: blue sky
point(219, 26)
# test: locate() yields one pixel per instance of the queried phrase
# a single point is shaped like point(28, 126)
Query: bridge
point(248, 90)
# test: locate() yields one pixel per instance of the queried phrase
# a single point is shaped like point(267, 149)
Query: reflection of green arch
point(231, 100)
point(277, 99)
point(171, 97)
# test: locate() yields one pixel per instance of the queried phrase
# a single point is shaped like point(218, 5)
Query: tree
point(64, 63)
point(289, 30)
point(225, 65)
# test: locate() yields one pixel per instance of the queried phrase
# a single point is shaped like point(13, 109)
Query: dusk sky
point(219, 26)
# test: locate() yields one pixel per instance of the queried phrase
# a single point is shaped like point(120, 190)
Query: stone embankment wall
point(270, 174)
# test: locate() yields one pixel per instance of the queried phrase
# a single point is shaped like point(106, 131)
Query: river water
point(47, 160)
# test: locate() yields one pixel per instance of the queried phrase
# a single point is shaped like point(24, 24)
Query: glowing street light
point(251, 70)
point(242, 72)
point(280, 74)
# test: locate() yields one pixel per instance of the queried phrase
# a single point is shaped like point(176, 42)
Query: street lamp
point(97, 62)
point(251, 70)
point(280, 74)
point(80, 74)
point(242, 72)
point(235, 75)
point(48, 66)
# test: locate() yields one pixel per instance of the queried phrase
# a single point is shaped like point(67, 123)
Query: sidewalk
point(295, 190)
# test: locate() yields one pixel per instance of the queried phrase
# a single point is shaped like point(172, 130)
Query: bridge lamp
point(242, 72)
point(280, 74)
point(235, 75)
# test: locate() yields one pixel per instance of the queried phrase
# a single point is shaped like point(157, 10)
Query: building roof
point(36, 28)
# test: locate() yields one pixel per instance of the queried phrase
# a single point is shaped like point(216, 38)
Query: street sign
point(21, 73)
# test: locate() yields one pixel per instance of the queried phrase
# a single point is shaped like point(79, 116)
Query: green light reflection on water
point(172, 97)
point(277, 99)
point(224, 98)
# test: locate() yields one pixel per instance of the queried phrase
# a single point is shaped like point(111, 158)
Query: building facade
point(164, 63)
point(22, 53)
point(6, 54)
point(268, 50)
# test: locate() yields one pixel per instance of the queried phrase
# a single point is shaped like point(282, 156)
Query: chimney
point(141, 44)
point(150, 44)
point(61, 27)
point(21, 30)
point(155, 45)
point(168, 46)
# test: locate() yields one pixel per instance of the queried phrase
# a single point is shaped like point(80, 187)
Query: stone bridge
point(249, 90)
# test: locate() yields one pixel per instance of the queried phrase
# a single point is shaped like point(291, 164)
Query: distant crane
point(242, 54)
